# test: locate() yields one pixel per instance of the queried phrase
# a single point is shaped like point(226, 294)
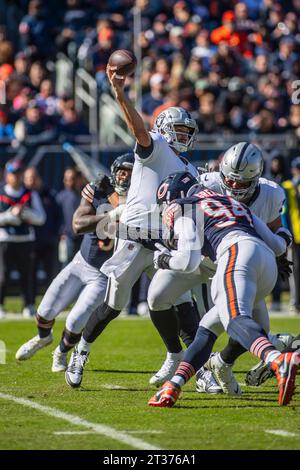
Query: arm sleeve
point(36, 214)
point(275, 242)
point(187, 257)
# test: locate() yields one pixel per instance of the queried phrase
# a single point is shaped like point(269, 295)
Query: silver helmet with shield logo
point(166, 123)
point(243, 163)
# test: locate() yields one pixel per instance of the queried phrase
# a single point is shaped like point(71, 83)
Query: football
point(124, 62)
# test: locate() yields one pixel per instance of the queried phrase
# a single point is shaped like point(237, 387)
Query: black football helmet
point(126, 162)
point(175, 186)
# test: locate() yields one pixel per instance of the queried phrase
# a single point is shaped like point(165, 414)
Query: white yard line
point(101, 429)
point(113, 387)
point(281, 432)
point(79, 433)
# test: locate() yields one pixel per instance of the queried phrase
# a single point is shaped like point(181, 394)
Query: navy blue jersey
point(95, 251)
point(222, 215)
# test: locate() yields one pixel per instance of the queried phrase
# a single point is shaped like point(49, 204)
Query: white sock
point(271, 356)
point(83, 345)
point(178, 380)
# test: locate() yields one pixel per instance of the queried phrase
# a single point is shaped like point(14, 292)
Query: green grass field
point(125, 356)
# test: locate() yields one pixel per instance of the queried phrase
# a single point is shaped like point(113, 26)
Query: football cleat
point(27, 350)
point(75, 368)
point(260, 373)
point(167, 370)
point(286, 367)
point(206, 382)
point(166, 397)
point(223, 374)
point(60, 361)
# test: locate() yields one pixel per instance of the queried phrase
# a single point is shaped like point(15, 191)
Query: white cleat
point(206, 382)
point(27, 350)
point(223, 374)
point(75, 368)
point(60, 361)
point(167, 370)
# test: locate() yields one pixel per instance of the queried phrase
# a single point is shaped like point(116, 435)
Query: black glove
point(103, 184)
point(284, 267)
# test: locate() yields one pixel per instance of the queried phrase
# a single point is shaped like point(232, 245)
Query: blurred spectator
point(47, 235)
point(292, 216)
point(71, 125)
point(155, 97)
point(246, 53)
point(34, 128)
point(6, 129)
point(277, 168)
point(37, 74)
point(46, 99)
point(37, 30)
point(20, 210)
point(68, 200)
point(21, 67)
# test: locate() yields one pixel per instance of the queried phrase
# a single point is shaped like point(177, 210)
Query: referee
point(20, 209)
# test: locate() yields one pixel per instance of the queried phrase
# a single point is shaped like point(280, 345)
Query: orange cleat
point(166, 397)
point(286, 367)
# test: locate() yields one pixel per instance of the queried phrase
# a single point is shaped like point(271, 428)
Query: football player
point(81, 279)
point(239, 177)
point(157, 154)
point(209, 224)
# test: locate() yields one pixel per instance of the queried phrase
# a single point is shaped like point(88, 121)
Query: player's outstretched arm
point(85, 218)
point(133, 119)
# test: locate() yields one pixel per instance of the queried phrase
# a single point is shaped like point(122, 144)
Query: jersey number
point(214, 208)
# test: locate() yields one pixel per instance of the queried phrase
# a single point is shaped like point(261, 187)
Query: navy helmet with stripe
point(125, 161)
point(243, 162)
point(175, 186)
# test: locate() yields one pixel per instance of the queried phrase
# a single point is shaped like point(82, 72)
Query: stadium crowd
point(231, 64)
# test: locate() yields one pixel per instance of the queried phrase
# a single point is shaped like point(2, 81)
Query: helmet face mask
point(240, 170)
point(177, 127)
point(121, 180)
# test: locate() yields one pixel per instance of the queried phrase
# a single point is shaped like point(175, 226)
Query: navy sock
point(199, 351)
point(68, 341)
point(188, 322)
point(250, 335)
point(44, 326)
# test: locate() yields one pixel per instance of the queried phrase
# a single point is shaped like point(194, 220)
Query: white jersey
point(266, 204)
point(141, 209)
